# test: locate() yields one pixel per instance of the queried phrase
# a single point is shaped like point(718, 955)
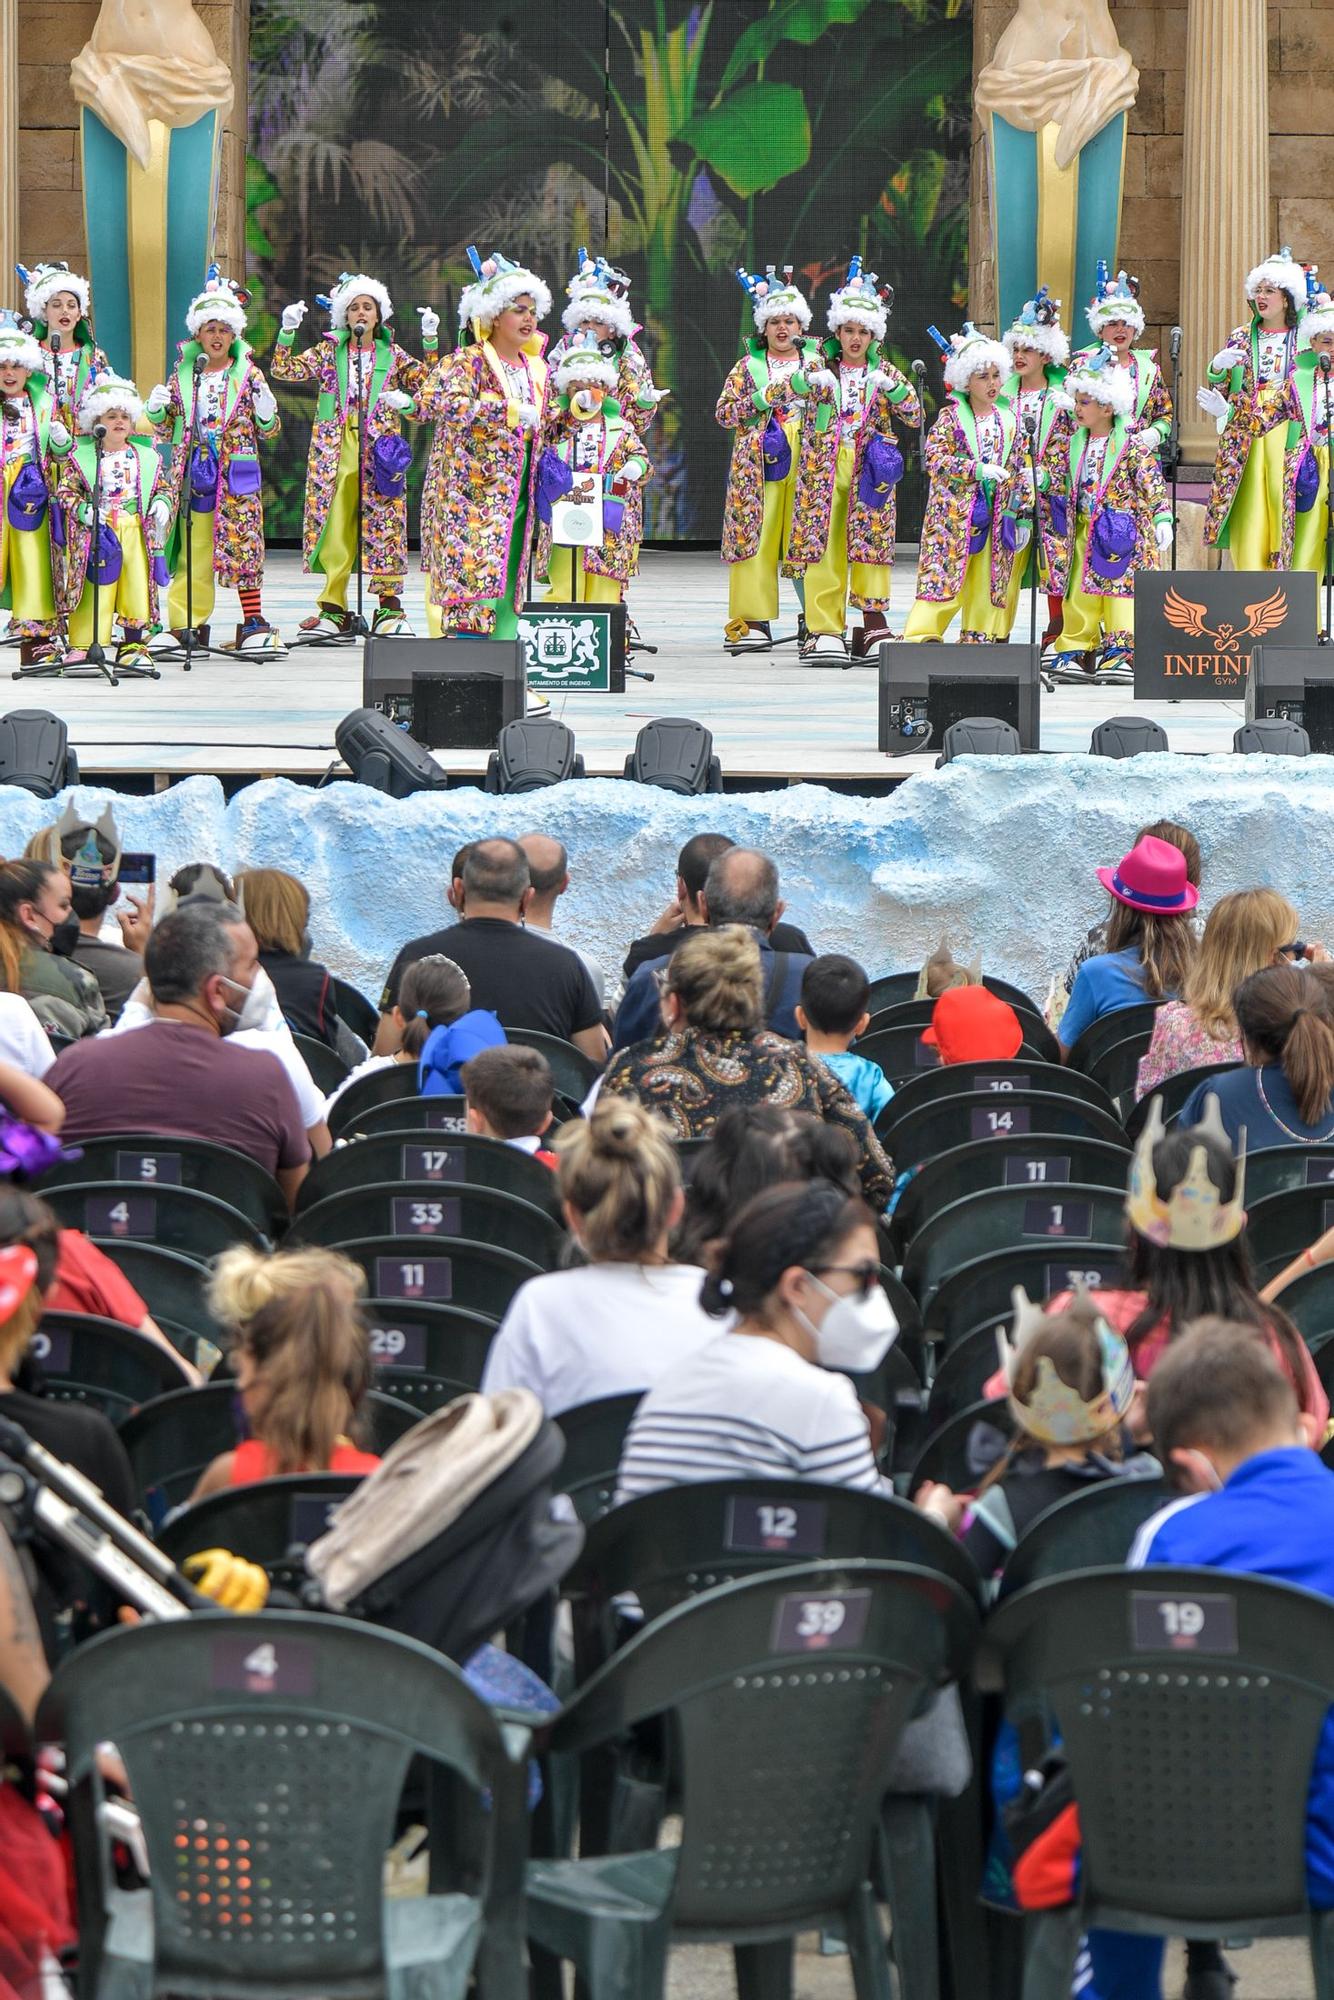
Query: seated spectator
point(197, 881)
point(613, 1327)
point(38, 931)
point(302, 1359)
point(1095, 943)
point(755, 1147)
point(1150, 944)
point(432, 995)
point(973, 1024)
point(176, 1075)
point(832, 1013)
point(26, 1097)
point(526, 982)
point(90, 855)
point(741, 888)
point(1245, 932)
point(1285, 1094)
point(24, 1042)
point(509, 1093)
point(456, 1032)
point(941, 972)
point(685, 912)
point(549, 873)
point(710, 1052)
point(277, 908)
point(801, 1272)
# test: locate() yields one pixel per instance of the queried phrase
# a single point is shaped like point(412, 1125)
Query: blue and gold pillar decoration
point(1051, 224)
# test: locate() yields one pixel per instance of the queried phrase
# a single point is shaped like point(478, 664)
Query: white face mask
point(855, 1333)
point(256, 1009)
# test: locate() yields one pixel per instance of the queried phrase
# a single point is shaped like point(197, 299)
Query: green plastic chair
point(916, 1015)
point(171, 1284)
point(267, 1757)
point(454, 1161)
point(947, 1455)
point(102, 1364)
point(426, 1354)
point(352, 1007)
point(965, 1079)
point(980, 1290)
point(572, 1072)
point(1037, 1161)
point(898, 1048)
point(327, 1068)
point(1059, 1220)
point(1109, 1029)
point(402, 1111)
point(1309, 1300)
point(450, 1270)
point(1172, 1685)
point(1279, 1168)
point(199, 1225)
point(271, 1522)
point(378, 1087)
point(148, 1161)
point(594, 1433)
point(942, 1124)
point(1116, 1068)
point(1282, 1225)
point(1089, 1530)
point(788, 1693)
point(418, 1211)
point(964, 1370)
point(1173, 1093)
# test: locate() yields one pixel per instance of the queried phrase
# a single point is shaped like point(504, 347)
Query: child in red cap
point(972, 1024)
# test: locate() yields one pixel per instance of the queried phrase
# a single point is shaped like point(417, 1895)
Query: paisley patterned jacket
point(952, 458)
point(238, 521)
point(1252, 412)
point(870, 530)
point(744, 408)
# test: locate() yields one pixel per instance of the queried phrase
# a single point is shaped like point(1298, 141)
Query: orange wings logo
point(1187, 615)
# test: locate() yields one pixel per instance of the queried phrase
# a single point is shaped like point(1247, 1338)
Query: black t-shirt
point(526, 981)
point(783, 937)
point(305, 994)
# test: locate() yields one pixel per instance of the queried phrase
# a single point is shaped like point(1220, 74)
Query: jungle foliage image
point(680, 141)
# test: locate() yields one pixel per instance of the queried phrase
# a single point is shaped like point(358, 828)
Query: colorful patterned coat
point(1051, 455)
point(1251, 413)
point(90, 358)
point(1305, 406)
point(38, 392)
point(870, 536)
point(75, 486)
point(743, 408)
point(384, 521)
point(635, 391)
point(238, 522)
point(619, 554)
point(1132, 483)
point(1153, 400)
point(952, 457)
point(479, 465)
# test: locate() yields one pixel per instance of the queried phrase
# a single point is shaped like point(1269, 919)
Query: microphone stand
point(1329, 505)
point(193, 645)
point(96, 656)
point(1035, 547)
point(1172, 449)
point(356, 627)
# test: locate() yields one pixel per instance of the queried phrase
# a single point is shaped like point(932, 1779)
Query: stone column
point(9, 138)
point(1225, 223)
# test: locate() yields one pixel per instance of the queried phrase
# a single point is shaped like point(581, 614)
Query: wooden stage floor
point(772, 719)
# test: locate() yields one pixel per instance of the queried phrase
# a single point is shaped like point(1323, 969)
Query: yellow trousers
point(338, 546)
point(829, 580)
point(978, 616)
point(25, 561)
point(1308, 542)
point(1255, 524)
point(570, 583)
point(202, 589)
point(752, 585)
point(128, 595)
point(1085, 620)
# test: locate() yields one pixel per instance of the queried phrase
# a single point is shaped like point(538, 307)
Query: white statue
point(149, 59)
point(1059, 62)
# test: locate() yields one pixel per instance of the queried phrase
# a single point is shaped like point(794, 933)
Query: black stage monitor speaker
point(1127, 736)
point(675, 754)
point(923, 689)
point(1294, 684)
point(35, 752)
point(1273, 735)
point(531, 755)
point(455, 693)
point(380, 753)
point(979, 736)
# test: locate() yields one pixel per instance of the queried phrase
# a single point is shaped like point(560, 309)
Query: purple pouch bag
point(613, 515)
point(979, 521)
point(1009, 533)
point(554, 480)
point(1060, 514)
point(203, 479)
point(882, 469)
point(1113, 542)
point(57, 525)
point(1308, 481)
point(777, 451)
point(243, 477)
point(26, 507)
point(104, 557)
point(161, 574)
point(390, 458)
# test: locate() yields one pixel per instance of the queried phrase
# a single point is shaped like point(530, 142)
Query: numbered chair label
point(162, 1167)
point(1000, 1122)
point(1058, 1218)
point(113, 1214)
point(1016, 1082)
point(414, 1277)
point(273, 1666)
point(765, 1527)
point(833, 1622)
point(1163, 1623)
point(924, 1056)
point(401, 1345)
point(309, 1519)
point(1319, 1173)
point(432, 1163)
point(1037, 1173)
point(1065, 1277)
point(412, 1217)
point(51, 1351)
point(437, 1119)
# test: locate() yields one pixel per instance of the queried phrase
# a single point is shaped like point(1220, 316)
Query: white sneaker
point(830, 646)
point(538, 705)
point(163, 642)
point(264, 639)
point(391, 625)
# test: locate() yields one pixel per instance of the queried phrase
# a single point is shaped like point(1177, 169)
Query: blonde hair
point(40, 845)
point(716, 976)
point(277, 908)
point(619, 1172)
point(297, 1315)
point(1244, 931)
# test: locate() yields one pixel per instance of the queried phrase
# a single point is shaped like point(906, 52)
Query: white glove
point(632, 472)
point(658, 394)
point(263, 402)
point(1212, 401)
point(986, 470)
point(823, 378)
point(528, 416)
point(57, 434)
point(430, 320)
point(1162, 534)
point(293, 316)
point(397, 399)
point(877, 379)
point(159, 509)
point(155, 403)
point(1227, 358)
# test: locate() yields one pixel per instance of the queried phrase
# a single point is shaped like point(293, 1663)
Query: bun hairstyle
point(716, 976)
point(297, 1315)
point(619, 1173)
point(797, 1222)
point(432, 993)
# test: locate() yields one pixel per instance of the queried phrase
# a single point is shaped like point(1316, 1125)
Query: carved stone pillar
point(9, 136)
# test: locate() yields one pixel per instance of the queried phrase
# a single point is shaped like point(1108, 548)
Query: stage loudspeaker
point(979, 736)
point(1272, 734)
point(454, 693)
point(381, 754)
point(1127, 736)
point(924, 689)
point(1294, 684)
point(675, 754)
point(35, 752)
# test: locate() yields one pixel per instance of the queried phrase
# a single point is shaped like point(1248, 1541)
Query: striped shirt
point(745, 1407)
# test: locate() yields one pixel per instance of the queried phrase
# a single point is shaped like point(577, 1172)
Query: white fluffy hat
point(971, 352)
point(770, 296)
point(861, 300)
point(582, 362)
point(1115, 298)
point(43, 282)
point(18, 346)
point(498, 283)
point(1318, 318)
point(1101, 376)
point(109, 392)
point(595, 294)
point(1283, 271)
point(1039, 326)
point(355, 285)
point(220, 299)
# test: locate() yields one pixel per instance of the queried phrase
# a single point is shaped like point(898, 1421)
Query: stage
point(774, 721)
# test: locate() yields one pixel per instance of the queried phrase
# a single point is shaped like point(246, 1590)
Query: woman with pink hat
point(1150, 939)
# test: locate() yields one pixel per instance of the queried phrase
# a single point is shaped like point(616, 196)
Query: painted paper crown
point(771, 295)
point(77, 844)
point(1100, 375)
point(46, 279)
point(1194, 1216)
point(220, 299)
point(597, 291)
point(1115, 298)
point(583, 362)
point(967, 353)
point(17, 345)
point(1282, 270)
point(1054, 1412)
point(1039, 326)
point(497, 283)
point(862, 300)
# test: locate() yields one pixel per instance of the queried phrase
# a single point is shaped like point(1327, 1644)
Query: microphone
point(99, 432)
point(1031, 424)
point(1174, 343)
point(1324, 366)
point(201, 363)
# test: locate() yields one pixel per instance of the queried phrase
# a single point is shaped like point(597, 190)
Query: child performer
point(1040, 350)
point(1117, 319)
point(489, 400)
point(56, 300)
point(593, 455)
point(1120, 521)
point(215, 467)
point(31, 436)
point(135, 507)
point(1248, 390)
point(1310, 400)
point(599, 304)
point(358, 366)
point(847, 468)
point(761, 402)
point(977, 488)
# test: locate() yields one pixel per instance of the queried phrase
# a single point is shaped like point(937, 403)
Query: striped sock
point(250, 603)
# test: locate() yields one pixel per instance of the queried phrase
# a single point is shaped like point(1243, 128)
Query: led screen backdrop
point(387, 135)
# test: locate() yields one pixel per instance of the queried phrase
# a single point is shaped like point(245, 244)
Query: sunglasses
point(867, 1275)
